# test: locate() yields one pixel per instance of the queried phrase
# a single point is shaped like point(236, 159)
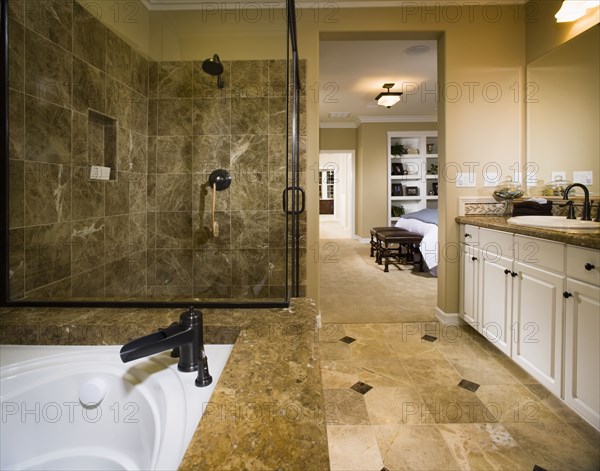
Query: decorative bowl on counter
point(508, 190)
point(556, 187)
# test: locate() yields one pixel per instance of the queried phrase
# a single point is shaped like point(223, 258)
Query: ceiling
point(232, 4)
point(352, 74)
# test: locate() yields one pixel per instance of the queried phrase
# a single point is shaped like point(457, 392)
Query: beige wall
point(544, 33)
point(484, 50)
point(337, 138)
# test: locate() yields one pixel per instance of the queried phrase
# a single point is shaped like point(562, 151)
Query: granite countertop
point(589, 239)
point(267, 411)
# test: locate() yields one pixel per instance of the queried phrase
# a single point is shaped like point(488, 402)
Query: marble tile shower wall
point(71, 236)
point(194, 128)
point(146, 232)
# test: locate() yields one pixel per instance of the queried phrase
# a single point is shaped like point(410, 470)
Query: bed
point(425, 223)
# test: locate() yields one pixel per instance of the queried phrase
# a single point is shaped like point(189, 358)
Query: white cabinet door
point(537, 324)
point(582, 350)
point(469, 285)
point(495, 300)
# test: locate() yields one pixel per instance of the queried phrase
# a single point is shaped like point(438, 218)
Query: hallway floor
point(416, 395)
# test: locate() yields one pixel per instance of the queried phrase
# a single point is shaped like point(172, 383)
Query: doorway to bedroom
point(354, 289)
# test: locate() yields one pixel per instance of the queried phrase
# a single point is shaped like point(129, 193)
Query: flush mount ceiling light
point(387, 98)
point(572, 10)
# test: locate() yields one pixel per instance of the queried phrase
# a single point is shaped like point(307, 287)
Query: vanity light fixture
point(387, 98)
point(572, 10)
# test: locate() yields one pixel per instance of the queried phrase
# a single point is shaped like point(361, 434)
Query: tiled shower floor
point(449, 401)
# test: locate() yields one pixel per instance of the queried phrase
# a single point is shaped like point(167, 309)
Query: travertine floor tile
point(431, 372)
point(386, 372)
point(338, 374)
point(345, 407)
point(397, 405)
point(483, 370)
point(414, 447)
point(451, 404)
point(353, 448)
point(484, 447)
point(334, 351)
point(370, 348)
point(555, 446)
point(514, 403)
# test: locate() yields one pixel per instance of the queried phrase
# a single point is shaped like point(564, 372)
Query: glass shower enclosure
point(150, 155)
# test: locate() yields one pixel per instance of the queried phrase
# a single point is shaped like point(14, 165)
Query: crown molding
point(342, 125)
point(398, 119)
point(377, 119)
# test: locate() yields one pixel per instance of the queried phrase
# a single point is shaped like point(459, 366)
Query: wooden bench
point(399, 248)
point(381, 229)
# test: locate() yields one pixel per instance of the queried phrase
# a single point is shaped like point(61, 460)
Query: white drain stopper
point(92, 392)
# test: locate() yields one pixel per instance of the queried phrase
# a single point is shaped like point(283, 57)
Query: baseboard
point(447, 319)
point(361, 239)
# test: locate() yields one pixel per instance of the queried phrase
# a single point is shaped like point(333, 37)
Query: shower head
point(213, 66)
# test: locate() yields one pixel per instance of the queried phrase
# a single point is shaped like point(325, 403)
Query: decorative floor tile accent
point(468, 385)
point(538, 468)
point(347, 339)
point(384, 469)
point(429, 338)
point(361, 387)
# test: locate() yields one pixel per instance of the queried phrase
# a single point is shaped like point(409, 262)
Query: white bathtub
point(146, 419)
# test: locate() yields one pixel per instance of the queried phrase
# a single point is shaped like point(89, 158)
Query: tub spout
point(185, 337)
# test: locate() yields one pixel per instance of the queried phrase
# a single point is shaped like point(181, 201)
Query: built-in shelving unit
point(412, 172)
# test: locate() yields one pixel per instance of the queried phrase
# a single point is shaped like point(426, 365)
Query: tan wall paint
point(544, 33)
point(477, 51)
point(337, 138)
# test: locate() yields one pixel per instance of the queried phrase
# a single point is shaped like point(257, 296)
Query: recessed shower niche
point(102, 146)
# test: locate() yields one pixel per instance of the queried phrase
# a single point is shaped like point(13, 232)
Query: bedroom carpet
point(355, 290)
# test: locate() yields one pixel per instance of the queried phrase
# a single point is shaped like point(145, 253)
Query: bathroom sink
point(73, 407)
point(555, 222)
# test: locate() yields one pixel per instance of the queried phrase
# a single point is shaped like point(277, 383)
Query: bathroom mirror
point(563, 114)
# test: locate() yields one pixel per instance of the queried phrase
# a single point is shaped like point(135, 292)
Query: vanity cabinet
point(497, 279)
point(469, 275)
point(538, 309)
point(582, 333)
point(538, 301)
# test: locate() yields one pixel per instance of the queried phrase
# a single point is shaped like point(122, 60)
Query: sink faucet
point(587, 208)
point(184, 337)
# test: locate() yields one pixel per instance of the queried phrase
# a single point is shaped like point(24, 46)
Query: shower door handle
point(285, 200)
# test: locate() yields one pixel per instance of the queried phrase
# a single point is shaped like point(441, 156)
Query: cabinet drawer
point(495, 244)
point(577, 260)
point(540, 253)
point(469, 234)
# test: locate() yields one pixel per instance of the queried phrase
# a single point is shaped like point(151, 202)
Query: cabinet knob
point(567, 295)
point(589, 266)
point(467, 235)
point(507, 271)
point(473, 258)
point(513, 274)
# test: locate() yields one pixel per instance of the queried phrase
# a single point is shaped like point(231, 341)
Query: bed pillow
point(427, 215)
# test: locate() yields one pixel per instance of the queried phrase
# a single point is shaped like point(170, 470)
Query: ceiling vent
point(339, 114)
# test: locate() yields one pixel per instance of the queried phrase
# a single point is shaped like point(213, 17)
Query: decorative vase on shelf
point(397, 211)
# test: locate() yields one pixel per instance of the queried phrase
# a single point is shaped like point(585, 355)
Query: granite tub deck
point(591, 239)
point(267, 411)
